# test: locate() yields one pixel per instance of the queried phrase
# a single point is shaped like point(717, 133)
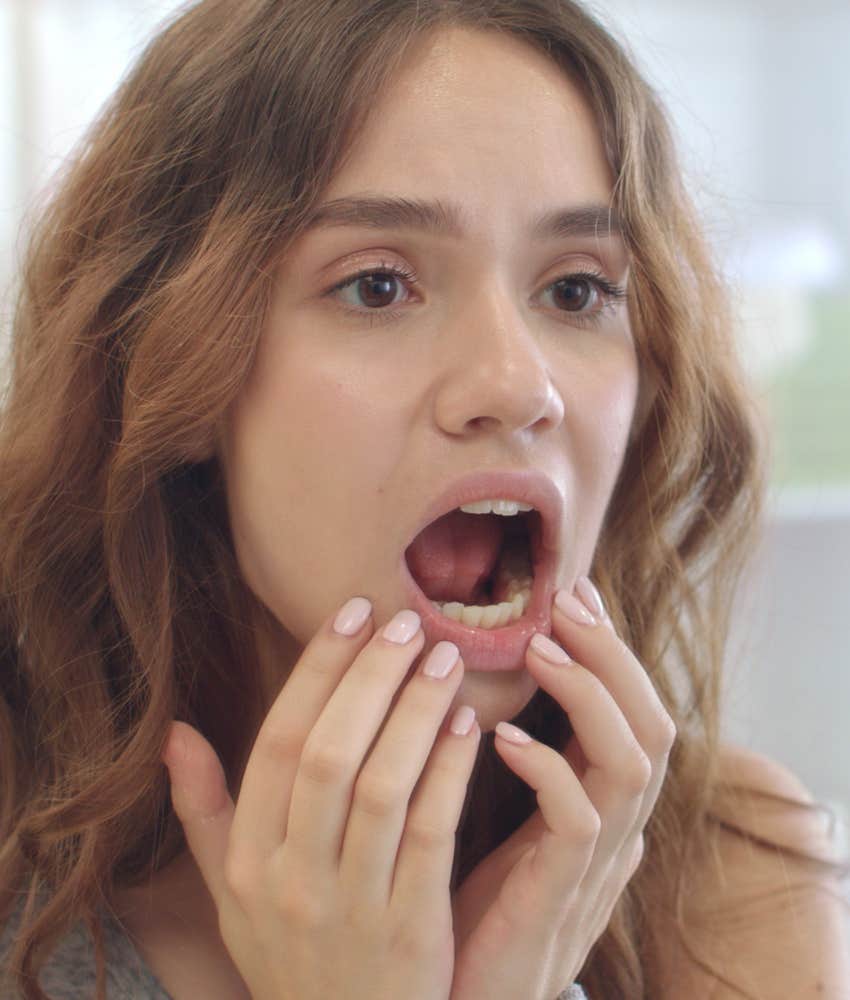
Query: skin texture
point(347, 430)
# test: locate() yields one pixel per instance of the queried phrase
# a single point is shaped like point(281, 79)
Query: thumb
point(201, 801)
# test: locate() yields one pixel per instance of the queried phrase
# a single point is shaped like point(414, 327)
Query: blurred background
point(759, 93)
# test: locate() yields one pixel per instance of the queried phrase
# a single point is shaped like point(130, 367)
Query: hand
point(331, 874)
point(527, 916)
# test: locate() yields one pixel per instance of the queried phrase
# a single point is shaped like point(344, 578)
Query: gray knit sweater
point(69, 973)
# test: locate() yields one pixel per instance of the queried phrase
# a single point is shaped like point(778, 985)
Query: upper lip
point(526, 485)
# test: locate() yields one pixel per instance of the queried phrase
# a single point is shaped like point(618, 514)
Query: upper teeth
point(508, 508)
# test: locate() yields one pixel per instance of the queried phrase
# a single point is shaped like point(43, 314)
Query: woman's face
point(368, 401)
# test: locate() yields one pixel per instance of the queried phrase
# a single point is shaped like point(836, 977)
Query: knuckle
point(325, 765)
point(445, 768)
point(623, 648)
point(379, 794)
point(637, 773)
point(238, 876)
point(668, 734)
point(428, 837)
point(587, 826)
point(300, 908)
point(281, 744)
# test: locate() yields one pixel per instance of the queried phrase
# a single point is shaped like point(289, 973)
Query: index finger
point(260, 816)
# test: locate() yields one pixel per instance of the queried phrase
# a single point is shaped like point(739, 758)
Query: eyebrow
point(447, 219)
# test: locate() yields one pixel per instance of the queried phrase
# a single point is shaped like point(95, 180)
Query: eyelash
point(610, 293)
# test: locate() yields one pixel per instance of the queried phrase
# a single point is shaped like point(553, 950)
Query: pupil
point(378, 287)
point(571, 299)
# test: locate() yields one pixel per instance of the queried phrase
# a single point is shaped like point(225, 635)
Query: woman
point(324, 273)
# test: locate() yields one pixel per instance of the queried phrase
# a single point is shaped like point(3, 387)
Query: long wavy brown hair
point(142, 298)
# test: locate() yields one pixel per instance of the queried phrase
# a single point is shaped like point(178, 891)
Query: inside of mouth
point(468, 558)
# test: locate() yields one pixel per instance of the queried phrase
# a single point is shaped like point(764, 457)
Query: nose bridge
point(492, 327)
point(497, 365)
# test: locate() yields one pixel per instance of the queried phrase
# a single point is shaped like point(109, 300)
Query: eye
point(372, 288)
point(574, 293)
point(582, 298)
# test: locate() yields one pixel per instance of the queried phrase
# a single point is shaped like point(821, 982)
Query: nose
point(495, 373)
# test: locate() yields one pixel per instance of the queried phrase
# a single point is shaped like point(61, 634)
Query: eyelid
point(611, 294)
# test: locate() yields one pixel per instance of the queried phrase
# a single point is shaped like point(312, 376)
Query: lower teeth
point(516, 584)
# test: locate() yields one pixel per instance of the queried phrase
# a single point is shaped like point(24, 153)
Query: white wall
point(789, 656)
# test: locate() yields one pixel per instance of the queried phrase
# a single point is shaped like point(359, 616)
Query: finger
point(618, 771)
point(602, 652)
point(201, 801)
point(426, 854)
point(266, 789)
point(619, 883)
point(386, 782)
point(637, 855)
point(338, 743)
point(559, 860)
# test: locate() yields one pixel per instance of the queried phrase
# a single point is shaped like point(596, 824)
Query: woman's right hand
point(331, 873)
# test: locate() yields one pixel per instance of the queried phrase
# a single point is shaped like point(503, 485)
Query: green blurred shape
point(809, 402)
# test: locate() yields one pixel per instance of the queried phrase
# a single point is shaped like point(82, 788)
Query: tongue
point(454, 555)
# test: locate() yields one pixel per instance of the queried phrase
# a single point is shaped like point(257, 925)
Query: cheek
point(618, 399)
point(307, 431)
point(300, 413)
point(602, 410)
point(607, 408)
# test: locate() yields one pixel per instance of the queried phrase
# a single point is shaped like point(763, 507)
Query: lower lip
point(494, 649)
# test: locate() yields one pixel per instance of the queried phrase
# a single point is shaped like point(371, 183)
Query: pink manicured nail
point(402, 627)
point(462, 720)
point(441, 659)
point(573, 608)
point(513, 734)
point(590, 596)
point(352, 616)
point(549, 650)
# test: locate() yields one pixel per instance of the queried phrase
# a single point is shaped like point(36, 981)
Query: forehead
point(480, 120)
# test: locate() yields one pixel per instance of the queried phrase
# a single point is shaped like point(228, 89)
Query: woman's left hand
point(527, 916)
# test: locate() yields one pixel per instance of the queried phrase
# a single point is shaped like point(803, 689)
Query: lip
point(504, 648)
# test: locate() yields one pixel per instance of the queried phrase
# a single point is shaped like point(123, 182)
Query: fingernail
point(352, 616)
point(462, 720)
point(441, 659)
point(573, 608)
point(513, 734)
point(590, 596)
point(402, 628)
point(548, 650)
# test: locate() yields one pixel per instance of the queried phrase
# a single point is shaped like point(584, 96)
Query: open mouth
point(479, 569)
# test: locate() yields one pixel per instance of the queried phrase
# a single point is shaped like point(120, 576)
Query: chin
point(496, 697)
